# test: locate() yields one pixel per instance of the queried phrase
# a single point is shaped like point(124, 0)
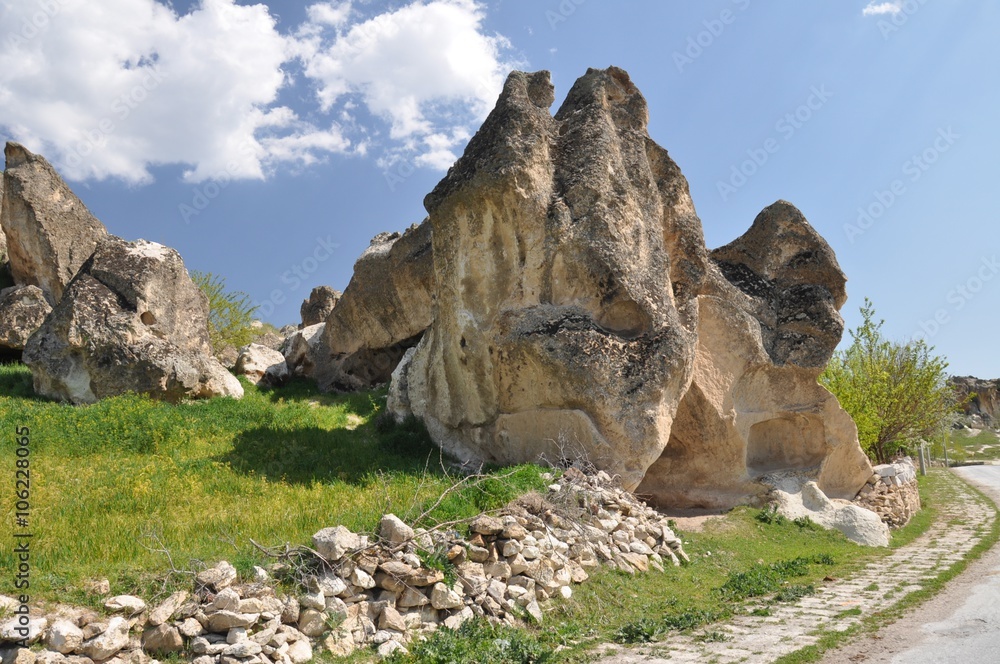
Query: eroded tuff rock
point(578, 313)
point(383, 311)
point(316, 309)
point(49, 231)
point(22, 311)
point(131, 320)
point(768, 323)
point(563, 328)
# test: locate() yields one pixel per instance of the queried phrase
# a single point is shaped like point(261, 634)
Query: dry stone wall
point(892, 493)
point(367, 591)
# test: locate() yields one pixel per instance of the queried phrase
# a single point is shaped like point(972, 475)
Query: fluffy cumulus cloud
point(113, 88)
point(879, 8)
point(428, 69)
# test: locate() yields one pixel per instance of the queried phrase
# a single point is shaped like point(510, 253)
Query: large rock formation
point(578, 314)
point(50, 232)
point(562, 325)
point(132, 320)
point(383, 311)
point(980, 398)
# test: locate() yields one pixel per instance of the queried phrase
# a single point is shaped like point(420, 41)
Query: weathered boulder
point(50, 232)
point(563, 327)
point(22, 311)
point(579, 316)
point(795, 500)
point(383, 311)
point(316, 309)
point(304, 350)
point(262, 365)
point(132, 320)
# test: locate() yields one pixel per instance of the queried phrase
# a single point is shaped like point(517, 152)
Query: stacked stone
point(892, 493)
point(374, 591)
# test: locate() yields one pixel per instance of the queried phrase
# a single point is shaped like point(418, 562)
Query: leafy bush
point(230, 314)
point(897, 393)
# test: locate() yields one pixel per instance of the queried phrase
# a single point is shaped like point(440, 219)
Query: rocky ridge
point(369, 590)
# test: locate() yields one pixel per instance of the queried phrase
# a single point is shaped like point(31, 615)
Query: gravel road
point(960, 624)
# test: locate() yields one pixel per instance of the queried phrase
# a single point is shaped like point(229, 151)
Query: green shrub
point(230, 314)
point(479, 642)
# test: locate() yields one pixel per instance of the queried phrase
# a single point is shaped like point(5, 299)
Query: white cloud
point(427, 68)
point(107, 89)
point(879, 8)
point(113, 88)
point(329, 13)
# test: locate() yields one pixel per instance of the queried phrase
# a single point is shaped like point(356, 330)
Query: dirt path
point(838, 606)
point(961, 623)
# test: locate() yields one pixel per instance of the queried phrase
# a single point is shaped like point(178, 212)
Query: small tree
point(896, 393)
point(230, 314)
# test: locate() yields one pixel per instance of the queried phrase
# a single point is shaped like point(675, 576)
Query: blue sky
point(268, 143)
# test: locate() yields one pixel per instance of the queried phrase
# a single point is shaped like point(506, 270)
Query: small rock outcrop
point(50, 233)
point(383, 311)
point(304, 350)
point(578, 313)
point(796, 500)
point(132, 320)
point(980, 399)
point(316, 309)
point(262, 365)
point(22, 311)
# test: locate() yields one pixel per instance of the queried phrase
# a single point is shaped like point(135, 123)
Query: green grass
point(117, 485)
point(977, 445)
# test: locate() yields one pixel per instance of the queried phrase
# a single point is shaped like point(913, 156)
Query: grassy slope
point(116, 483)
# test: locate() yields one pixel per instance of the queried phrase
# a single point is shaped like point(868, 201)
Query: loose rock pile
point(891, 492)
point(363, 591)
